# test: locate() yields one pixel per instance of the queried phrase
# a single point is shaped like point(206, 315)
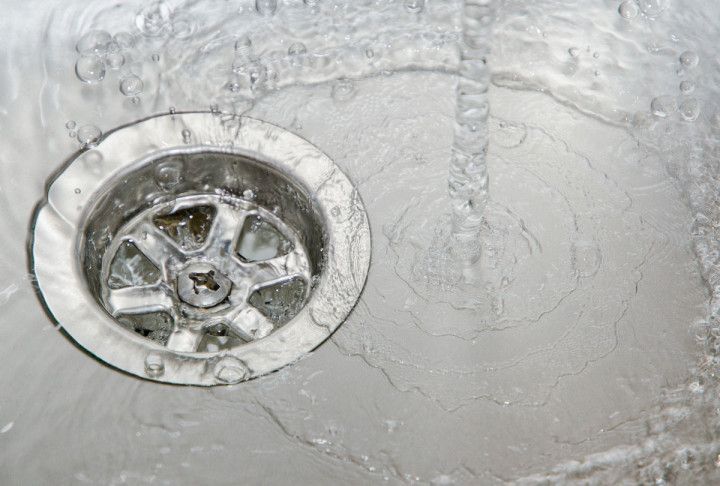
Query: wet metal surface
point(287, 174)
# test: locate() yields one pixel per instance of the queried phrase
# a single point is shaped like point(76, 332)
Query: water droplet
point(214, 109)
point(172, 110)
point(230, 370)
point(663, 106)
point(186, 135)
point(335, 211)
point(94, 42)
point(574, 52)
point(596, 55)
point(687, 86)
point(628, 9)
point(72, 133)
point(689, 59)
point(689, 109)
point(168, 175)
point(249, 194)
point(154, 19)
point(343, 90)
point(88, 135)
point(70, 125)
point(115, 60)
point(243, 46)
point(135, 100)
point(183, 29)
point(77, 190)
point(156, 57)
point(125, 40)
point(312, 3)
point(266, 7)
point(131, 85)
point(297, 49)
point(653, 8)
point(369, 53)
point(154, 365)
point(415, 6)
point(90, 69)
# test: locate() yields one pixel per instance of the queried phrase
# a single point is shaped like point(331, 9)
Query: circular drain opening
point(202, 263)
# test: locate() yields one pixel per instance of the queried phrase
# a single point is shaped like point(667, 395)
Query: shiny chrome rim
point(67, 244)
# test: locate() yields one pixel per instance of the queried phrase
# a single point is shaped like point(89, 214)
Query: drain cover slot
point(204, 263)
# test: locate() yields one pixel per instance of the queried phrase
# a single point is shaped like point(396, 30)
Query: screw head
point(202, 285)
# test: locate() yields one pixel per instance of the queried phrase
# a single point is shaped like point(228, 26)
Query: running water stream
point(468, 177)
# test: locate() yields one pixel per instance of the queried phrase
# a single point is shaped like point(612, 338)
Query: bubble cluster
point(99, 52)
point(154, 20)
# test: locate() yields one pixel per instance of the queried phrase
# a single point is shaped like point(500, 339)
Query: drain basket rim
point(58, 227)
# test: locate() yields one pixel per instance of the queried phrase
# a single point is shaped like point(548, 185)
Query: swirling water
point(578, 344)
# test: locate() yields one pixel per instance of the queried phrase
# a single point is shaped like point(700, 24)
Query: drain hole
point(130, 268)
point(188, 227)
point(280, 302)
point(175, 270)
point(156, 326)
point(260, 241)
point(204, 280)
point(219, 338)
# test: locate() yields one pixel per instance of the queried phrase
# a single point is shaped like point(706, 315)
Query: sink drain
point(199, 249)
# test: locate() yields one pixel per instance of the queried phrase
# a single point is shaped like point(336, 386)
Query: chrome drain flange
point(200, 249)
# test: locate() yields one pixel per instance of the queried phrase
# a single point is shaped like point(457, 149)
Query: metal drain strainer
point(200, 249)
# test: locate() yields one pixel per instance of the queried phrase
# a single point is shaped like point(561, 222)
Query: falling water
point(468, 181)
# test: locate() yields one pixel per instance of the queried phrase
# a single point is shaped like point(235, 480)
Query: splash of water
point(468, 179)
